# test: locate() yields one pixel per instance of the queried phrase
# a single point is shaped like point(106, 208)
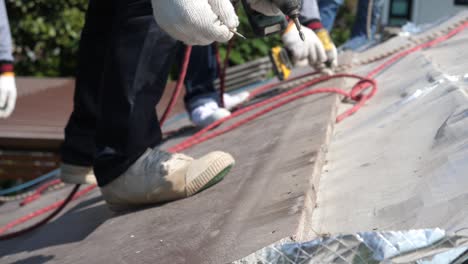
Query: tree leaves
point(45, 35)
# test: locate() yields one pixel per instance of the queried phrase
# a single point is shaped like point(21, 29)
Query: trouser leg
point(136, 67)
point(365, 26)
point(328, 11)
point(6, 53)
point(202, 71)
point(79, 145)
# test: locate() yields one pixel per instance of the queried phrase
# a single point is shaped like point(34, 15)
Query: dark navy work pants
point(123, 65)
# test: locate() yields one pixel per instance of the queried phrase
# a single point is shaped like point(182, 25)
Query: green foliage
point(344, 19)
point(46, 35)
point(245, 50)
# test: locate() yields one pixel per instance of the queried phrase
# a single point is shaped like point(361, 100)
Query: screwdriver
point(299, 28)
point(237, 33)
point(291, 8)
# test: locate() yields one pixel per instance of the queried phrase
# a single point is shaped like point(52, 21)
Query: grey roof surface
point(402, 162)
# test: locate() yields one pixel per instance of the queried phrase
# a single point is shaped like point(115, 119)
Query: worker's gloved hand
point(327, 42)
point(265, 7)
point(311, 49)
point(7, 90)
point(196, 22)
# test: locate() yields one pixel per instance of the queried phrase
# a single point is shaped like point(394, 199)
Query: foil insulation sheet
point(413, 246)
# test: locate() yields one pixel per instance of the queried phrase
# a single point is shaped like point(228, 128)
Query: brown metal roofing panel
point(42, 110)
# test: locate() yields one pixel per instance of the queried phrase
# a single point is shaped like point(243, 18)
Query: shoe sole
point(213, 174)
point(216, 179)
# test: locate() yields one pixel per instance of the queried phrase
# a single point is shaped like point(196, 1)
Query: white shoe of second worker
point(232, 101)
point(158, 176)
point(208, 113)
point(77, 174)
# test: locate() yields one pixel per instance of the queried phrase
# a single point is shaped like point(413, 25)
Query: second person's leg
point(202, 101)
point(328, 11)
point(365, 24)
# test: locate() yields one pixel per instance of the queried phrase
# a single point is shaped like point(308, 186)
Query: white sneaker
point(231, 101)
point(158, 176)
point(77, 174)
point(206, 114)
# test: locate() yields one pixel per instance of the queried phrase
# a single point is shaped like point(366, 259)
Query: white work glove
point(265, 7)
point(317, 48)
point(7, 94)
point(196, 22)
point(311, 49)
point(329, 46)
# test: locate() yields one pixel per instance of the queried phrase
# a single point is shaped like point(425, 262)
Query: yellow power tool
point(282, 66)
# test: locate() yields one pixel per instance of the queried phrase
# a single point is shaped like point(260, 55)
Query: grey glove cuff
point(309, 11)
point(5, 36)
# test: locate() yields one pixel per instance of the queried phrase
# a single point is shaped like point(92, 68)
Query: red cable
point(58, 206)
point(180, 81)
point(220, 74)
point(222, 69)
point(419, 47)
point(356, 94)
point(179, 85)
point(37, 193)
